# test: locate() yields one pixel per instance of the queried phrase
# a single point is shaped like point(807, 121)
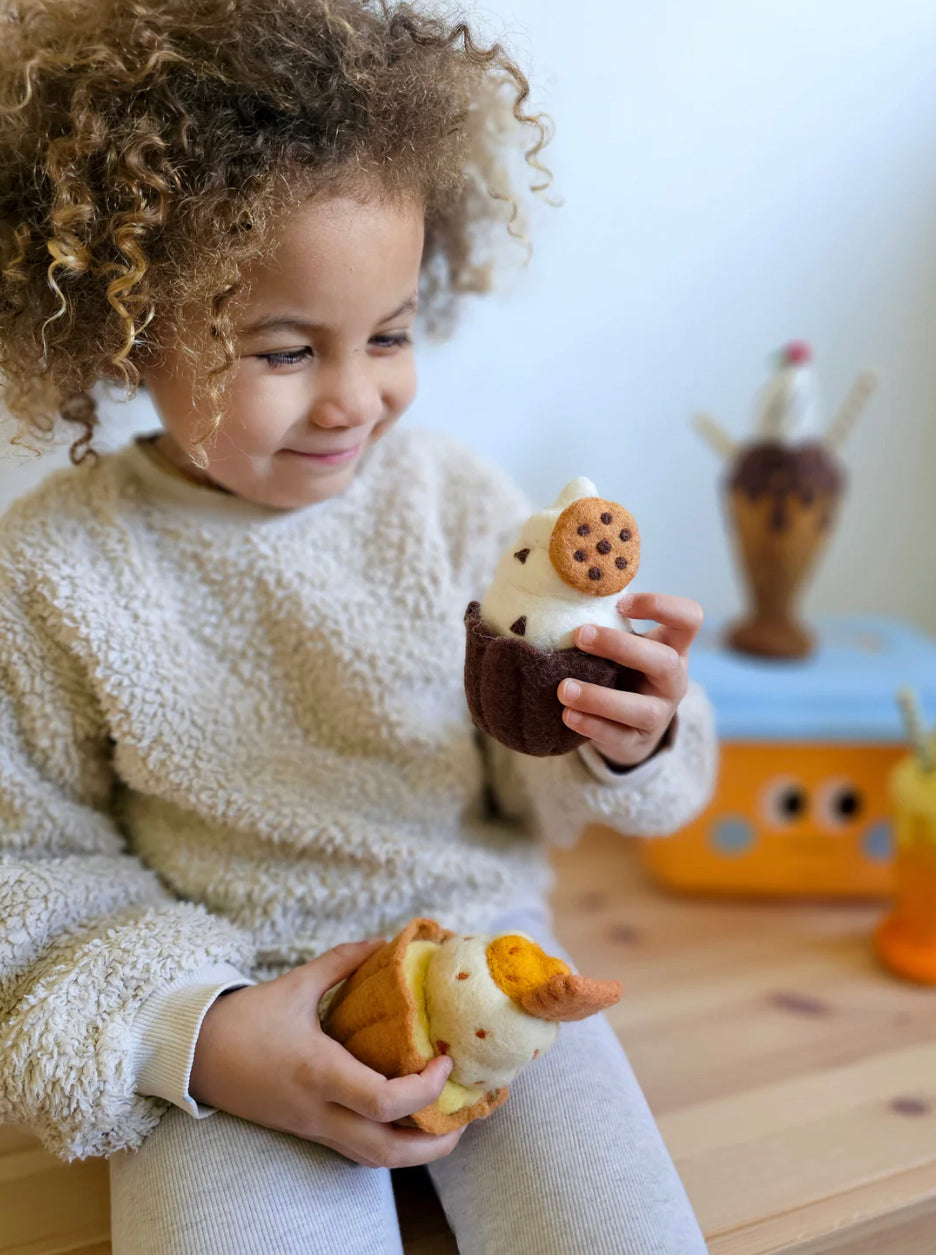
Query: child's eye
point(292, 357)
point(287, 357)
point(392, 342)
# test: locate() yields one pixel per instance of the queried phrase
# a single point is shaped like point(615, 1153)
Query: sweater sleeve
point(88, 933)
point(560, 795)
point(165, 1032)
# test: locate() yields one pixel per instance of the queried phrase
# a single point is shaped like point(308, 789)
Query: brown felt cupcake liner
point(511, 687)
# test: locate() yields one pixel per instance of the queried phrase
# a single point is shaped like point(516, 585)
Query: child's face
point(306, 397)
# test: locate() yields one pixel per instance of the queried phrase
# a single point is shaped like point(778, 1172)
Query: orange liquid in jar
point(906, 939)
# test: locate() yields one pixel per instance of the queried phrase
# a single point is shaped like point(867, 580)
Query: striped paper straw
point(854, 403)
point(913, 722)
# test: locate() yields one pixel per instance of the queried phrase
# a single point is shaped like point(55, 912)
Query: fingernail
point(625, 603)
point(570, 691)
point(572, 716)
point(587, 636)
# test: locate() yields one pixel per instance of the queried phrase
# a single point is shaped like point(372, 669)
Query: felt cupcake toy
point(568, 567)
point(492, 1002)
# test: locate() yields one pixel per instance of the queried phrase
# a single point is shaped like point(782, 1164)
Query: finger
point(384, 1145)
point(617, 741)
point(336, 964)
point(636, 711)
point(660, 663)
point(679, 617)
point(345, 1080)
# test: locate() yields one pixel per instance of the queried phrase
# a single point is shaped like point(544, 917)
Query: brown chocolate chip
point(594, 572)
point(580, 555)
point(606, 517)
point(603, 546)
point(518, 627)
point(481, 1033)
point(624, 534)
point(583, 529)
point(462, 975)
point(522, 554)
point(442, 1046)
point(620, 563)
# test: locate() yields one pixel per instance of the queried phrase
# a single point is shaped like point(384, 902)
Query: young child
point(233, 732)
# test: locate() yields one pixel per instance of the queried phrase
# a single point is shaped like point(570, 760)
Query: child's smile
point(325, 362)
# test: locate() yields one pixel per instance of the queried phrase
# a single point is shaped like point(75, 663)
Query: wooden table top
point(794, 1080)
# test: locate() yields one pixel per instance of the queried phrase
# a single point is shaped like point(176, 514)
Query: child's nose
point(346, 396)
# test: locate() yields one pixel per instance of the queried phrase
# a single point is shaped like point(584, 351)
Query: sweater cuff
point(166, 1029)
point(642, 772)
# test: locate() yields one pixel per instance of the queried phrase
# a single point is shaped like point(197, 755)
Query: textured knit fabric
point(232, 737)
point(572, 1163)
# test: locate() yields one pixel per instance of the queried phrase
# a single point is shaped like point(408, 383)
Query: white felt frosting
point(533, 588)
point(458, 1008)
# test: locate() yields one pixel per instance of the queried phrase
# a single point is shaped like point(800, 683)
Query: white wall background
point(734, 175)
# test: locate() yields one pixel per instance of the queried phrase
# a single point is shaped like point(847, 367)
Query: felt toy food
point(491, 1002)
point(782, 497)
point(568, 567)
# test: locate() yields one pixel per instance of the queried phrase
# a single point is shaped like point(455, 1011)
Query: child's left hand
point(626, 727)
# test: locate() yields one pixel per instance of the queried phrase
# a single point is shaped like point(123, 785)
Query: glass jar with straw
point(906, 938)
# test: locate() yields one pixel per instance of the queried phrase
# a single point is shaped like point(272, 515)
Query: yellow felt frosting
point(518, 965)
point(416, 960)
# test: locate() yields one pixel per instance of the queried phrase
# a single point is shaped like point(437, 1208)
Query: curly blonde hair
point(147, 148)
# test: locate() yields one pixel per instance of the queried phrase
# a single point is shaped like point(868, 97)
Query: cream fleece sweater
point(232, 737)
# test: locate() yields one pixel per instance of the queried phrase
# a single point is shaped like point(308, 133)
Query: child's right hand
point(262, 1055)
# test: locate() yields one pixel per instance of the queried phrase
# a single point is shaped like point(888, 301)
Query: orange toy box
point(802, 804)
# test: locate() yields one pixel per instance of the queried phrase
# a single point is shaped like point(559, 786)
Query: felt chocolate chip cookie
point(595, 546)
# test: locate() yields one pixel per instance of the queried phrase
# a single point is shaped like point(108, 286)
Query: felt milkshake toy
point(783, 490)
point(568, 567)
point(492, 1003)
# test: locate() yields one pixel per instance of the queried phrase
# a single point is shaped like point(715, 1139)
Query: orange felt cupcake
point(374, 1015)
point(496, 1002)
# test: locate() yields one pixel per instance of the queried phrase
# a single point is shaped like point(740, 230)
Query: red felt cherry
point(798, 352)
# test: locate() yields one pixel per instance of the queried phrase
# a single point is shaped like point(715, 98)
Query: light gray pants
point(572, 1164)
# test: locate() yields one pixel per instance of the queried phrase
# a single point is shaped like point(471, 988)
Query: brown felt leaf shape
point(570, 996)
